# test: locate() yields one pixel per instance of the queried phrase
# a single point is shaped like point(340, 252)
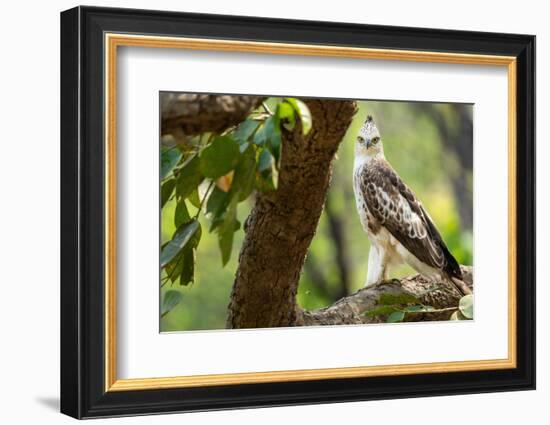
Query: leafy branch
point(227, 169)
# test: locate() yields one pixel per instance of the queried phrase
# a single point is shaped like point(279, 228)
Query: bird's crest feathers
point(368, 129)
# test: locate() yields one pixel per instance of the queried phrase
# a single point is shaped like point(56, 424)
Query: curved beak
point(366, 142)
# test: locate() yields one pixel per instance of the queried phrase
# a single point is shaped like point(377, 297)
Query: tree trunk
point(282, 223)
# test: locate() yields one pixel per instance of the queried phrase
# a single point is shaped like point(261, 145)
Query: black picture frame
point(83, 392)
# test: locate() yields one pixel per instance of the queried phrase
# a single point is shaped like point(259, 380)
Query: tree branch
point(192, 114)
point(351, 309)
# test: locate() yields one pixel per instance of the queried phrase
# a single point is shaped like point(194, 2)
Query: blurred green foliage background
point(430, 146)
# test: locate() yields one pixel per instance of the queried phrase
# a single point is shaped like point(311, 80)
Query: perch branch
point(351, 309)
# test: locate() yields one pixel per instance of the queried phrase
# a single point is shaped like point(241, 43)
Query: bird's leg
point(378, 267)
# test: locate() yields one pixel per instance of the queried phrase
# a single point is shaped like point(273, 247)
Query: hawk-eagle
point(399, 228)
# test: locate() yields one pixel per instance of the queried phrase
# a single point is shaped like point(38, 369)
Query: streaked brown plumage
point(393, 205)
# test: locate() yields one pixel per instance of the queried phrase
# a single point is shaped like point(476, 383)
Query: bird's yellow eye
point(360, 139)
point(375, 140)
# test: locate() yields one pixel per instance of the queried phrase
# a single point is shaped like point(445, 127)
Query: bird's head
point(368, 142)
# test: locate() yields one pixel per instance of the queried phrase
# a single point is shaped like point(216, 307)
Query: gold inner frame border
point(113, 41)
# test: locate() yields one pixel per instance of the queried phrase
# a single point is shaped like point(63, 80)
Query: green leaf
point(188, 267)
point(267, 176)
point(396, 316)
point(194, 198)
point(245, 174)
point(216, 206)
point(414, 309)
point(287, 115)
point(381, 311)
point(182, 214)
point(217, 202)
point(220, 157)
point(303, 112)
point(466, 306)
point(179, 267)
point(399, 299)
point(226, 231)
point(245, 130)
point(182, 236)
point(269, 135)
point(225, 240)
point(273, 137)
point(194, 242)
point(265, 161)
point(171, 299)
point(169, 157)
point(173, 268)
point(260, 136)
point(457, 315)
point(243, 147)
point(166, 191)
point(189, 177)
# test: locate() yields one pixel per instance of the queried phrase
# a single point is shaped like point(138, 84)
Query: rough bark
point(191, 114)
point(351, 309)
point(282, 223)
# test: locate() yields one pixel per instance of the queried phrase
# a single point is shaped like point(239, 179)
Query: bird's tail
point(460, 285)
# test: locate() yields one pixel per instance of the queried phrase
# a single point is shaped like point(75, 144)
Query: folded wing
point(396, 208)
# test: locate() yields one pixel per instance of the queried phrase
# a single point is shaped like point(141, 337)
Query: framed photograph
point(261, 212)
